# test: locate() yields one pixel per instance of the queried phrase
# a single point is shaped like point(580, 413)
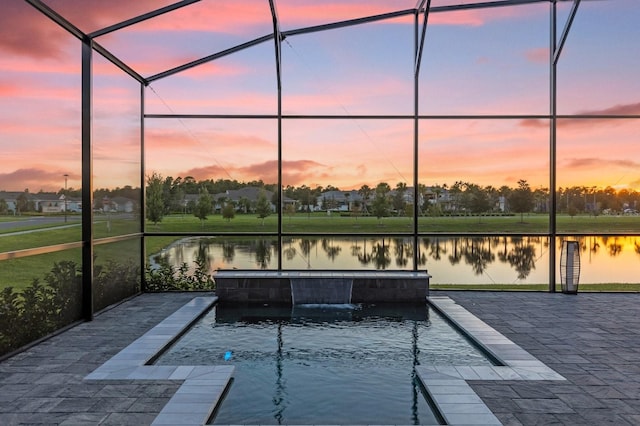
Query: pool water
point(323, 364)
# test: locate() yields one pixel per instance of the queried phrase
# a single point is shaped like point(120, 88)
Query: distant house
point(123, 205)
point(11, 198)
point(50, 203)
point(45, 202)
point(190, 200)
point(248, 193)
point(345, 200)
point(117, 205)
point(338, 200)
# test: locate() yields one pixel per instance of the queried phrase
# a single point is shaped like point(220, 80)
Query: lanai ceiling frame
point(423, 9)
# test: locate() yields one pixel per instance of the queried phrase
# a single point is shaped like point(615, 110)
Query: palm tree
point(365, 192)
point(398, 199)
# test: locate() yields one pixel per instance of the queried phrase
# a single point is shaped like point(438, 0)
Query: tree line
point(462, 197)
point(166, 195)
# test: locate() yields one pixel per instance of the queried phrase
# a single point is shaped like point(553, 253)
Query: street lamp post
point(65, 196)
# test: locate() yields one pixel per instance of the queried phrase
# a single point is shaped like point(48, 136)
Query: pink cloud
point(230, 17)
point(228, 99)
point(26, 32)
point(41, 66)
point(467, 18)
point(600, 163)
point(25, 87)
point(36, 179)
point(168, 138)
point(214, 141)
point(294, 172)
point(214, 171)
point(480, 17)
point(99, 14)
point(538, 55)
point(8, 90)
point(220, 68)
point(627, 109)
point(306, 13)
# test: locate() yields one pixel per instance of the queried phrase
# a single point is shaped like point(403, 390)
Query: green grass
point(48, 235)
point(320, 222)
point(612, 287)
point(34, 226)
point(39, 239)
point(19, 273)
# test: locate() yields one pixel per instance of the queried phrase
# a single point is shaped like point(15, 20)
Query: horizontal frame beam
point(141, 18)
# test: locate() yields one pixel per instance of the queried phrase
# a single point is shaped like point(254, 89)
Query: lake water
point(450, 260)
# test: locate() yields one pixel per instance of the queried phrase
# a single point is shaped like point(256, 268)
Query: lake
point(510, 260)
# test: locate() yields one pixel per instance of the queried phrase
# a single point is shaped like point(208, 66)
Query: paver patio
point(593, 340)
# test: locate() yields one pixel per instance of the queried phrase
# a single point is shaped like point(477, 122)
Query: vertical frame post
point(418, 49)
point(552, 147)
point(416, 121)
point(87, 179)
point(277, 38)
point(555, 50)
point(143, 195)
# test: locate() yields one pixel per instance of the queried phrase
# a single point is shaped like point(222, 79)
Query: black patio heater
point(570, 267)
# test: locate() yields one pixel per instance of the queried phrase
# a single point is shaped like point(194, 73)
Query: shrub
point(169, 278)
point(47, 305)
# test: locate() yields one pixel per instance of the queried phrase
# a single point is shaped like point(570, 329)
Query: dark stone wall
point(377, 290)
point(273, 287)
point(253, 290)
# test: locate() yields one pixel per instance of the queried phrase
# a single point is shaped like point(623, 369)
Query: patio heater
point(570, 267)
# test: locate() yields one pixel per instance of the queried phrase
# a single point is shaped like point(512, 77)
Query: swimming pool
point(324, 363)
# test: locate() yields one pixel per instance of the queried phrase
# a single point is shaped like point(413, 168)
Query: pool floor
point(323, 364)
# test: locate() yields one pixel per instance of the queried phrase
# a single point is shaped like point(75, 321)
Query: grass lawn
point(613, 287)
point(19, 273)
point(50, 235)
point(321, 222)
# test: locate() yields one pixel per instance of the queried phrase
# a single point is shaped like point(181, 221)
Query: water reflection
point(450, 260)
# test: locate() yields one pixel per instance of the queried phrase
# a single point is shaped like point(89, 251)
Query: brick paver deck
point(592, 340)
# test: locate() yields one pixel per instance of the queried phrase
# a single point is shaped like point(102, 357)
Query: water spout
point(329, 290)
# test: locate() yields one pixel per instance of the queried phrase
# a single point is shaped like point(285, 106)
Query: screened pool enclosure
point(466, 138)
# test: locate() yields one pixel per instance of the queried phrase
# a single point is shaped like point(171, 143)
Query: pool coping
point(448, 385)
point(203, 386)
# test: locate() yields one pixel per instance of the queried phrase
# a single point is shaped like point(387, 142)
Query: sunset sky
point(492, 61)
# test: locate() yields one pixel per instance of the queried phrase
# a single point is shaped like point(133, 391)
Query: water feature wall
point(297, 287)
point(320, 290)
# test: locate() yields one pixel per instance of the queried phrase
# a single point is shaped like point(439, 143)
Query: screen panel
point(344, 176)
point(484, 175)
